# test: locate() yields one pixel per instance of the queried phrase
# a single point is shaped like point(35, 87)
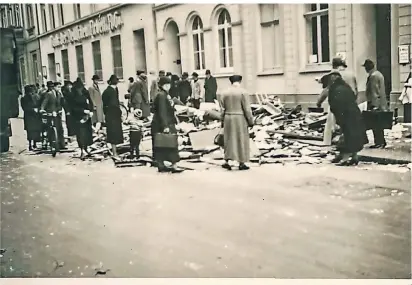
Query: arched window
point(225, 39)
point(198, 44)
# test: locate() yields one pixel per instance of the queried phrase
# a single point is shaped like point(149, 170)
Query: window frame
point(309, 15)
point(35, 63)
point(65, 64)
point(201, 53)
point(99, 72)
point(77, 11)
point(118, 70)
point(226, 26)
point(80, 62)
point(52, 17)
point(43, 17)
point(60, 12)
point(30, 16)
point(276, 22)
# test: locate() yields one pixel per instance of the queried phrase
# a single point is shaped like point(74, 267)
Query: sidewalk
point(399, 153)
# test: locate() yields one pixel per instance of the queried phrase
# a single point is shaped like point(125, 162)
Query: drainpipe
point(156, 41)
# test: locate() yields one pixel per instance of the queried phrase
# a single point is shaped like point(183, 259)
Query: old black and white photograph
point(205, 140)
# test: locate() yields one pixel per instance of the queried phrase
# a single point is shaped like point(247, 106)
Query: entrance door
point(140, 49)
point(383, 43)
point(52, 67)
point(173, 46)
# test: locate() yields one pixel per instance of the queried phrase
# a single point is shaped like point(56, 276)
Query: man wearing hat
point(197, 94)
point(139, 95)
point(210, 87)
point(52, 103)
point(96, 98)
point(376, 98)
point(154, 85)
point(185, 88)
point(237, 118)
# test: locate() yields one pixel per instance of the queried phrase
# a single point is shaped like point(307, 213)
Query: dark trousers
point(407, 113)
point(379, 136)
point(60, 131)
point(135, 138)
point(196, 103)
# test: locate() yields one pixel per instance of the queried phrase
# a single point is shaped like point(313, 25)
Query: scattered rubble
point(279, 135)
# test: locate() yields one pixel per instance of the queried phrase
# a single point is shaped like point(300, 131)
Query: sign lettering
point(102, 25)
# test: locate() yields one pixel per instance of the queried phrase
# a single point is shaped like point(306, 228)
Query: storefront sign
point(102, 25)
point(404, 54)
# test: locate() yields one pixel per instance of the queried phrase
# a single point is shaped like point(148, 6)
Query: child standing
point(135, 134)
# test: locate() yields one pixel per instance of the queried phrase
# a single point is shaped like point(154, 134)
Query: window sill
point(317, 68)
point(274, 71)
point(223, 75)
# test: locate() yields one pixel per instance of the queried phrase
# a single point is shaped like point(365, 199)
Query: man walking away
point(196, 91)
point(210, 87)
point(154, 85)
point(376, 99)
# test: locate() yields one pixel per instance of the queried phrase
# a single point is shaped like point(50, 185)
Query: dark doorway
point(173, 45)
point(383, 44)
point(140, 49)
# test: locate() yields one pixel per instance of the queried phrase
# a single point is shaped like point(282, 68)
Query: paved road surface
point(278, 221)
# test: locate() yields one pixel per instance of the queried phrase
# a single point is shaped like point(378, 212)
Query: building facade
point(278, 48)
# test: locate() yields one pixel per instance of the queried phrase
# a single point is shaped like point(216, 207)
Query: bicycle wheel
point(54, 141)
point(125, 112)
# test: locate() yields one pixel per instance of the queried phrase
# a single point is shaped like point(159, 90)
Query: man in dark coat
point(210, 87)
point(154, 85)
point(113, 114)
point(139, 95)
point(185, 88)
point(52, 103)
point(30, 104)
point(67, 95)
point(342, 102)
point(376, 97)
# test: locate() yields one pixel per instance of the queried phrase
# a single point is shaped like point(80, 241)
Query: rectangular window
point(80, 62)
point(43, 17)
point(3, 17)
point(270, 34)
point(117, 56)
point(51, 15)
point(35, 66)
point(93, 8)
point(65, 63)
point(17, 15)
point(30, 17)
point(97, 59)
point(22, 71)
point(77, 13)
point(52, 66)
point(317, 21)
point(61, 14)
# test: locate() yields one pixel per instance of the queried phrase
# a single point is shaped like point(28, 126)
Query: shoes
point(243, 167)
point(176, 170)
point(349, 162)
point(227, 166)
point(162, 169)
point(378, 146)
point(337, 159)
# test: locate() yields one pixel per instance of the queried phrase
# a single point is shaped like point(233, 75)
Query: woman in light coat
point(96, 97)
point(236, 117)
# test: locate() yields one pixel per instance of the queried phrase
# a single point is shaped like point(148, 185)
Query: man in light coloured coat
point(96, 97)
point(376, 98)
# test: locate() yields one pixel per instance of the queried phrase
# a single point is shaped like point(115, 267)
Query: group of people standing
point(340, 88)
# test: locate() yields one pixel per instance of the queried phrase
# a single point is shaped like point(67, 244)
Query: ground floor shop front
point(278, 48)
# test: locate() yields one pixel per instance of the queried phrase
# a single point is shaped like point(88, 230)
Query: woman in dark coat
point(342, 102)
point(164, 121)
point(67, 95)
point(113, 114)
point(30, 104)
point(81, 108)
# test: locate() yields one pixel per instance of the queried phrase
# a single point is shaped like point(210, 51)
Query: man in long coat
point(139, 95)
point(236, 117)
point(185, 88)
point(376, 98)
point(154, 85)
point(210, 87)
point(96, 97)
point(342, 102)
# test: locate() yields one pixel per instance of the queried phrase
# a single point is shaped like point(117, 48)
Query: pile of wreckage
point(279, 135)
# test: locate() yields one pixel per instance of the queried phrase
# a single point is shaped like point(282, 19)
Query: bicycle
point(50, 135)
point(124, 110)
